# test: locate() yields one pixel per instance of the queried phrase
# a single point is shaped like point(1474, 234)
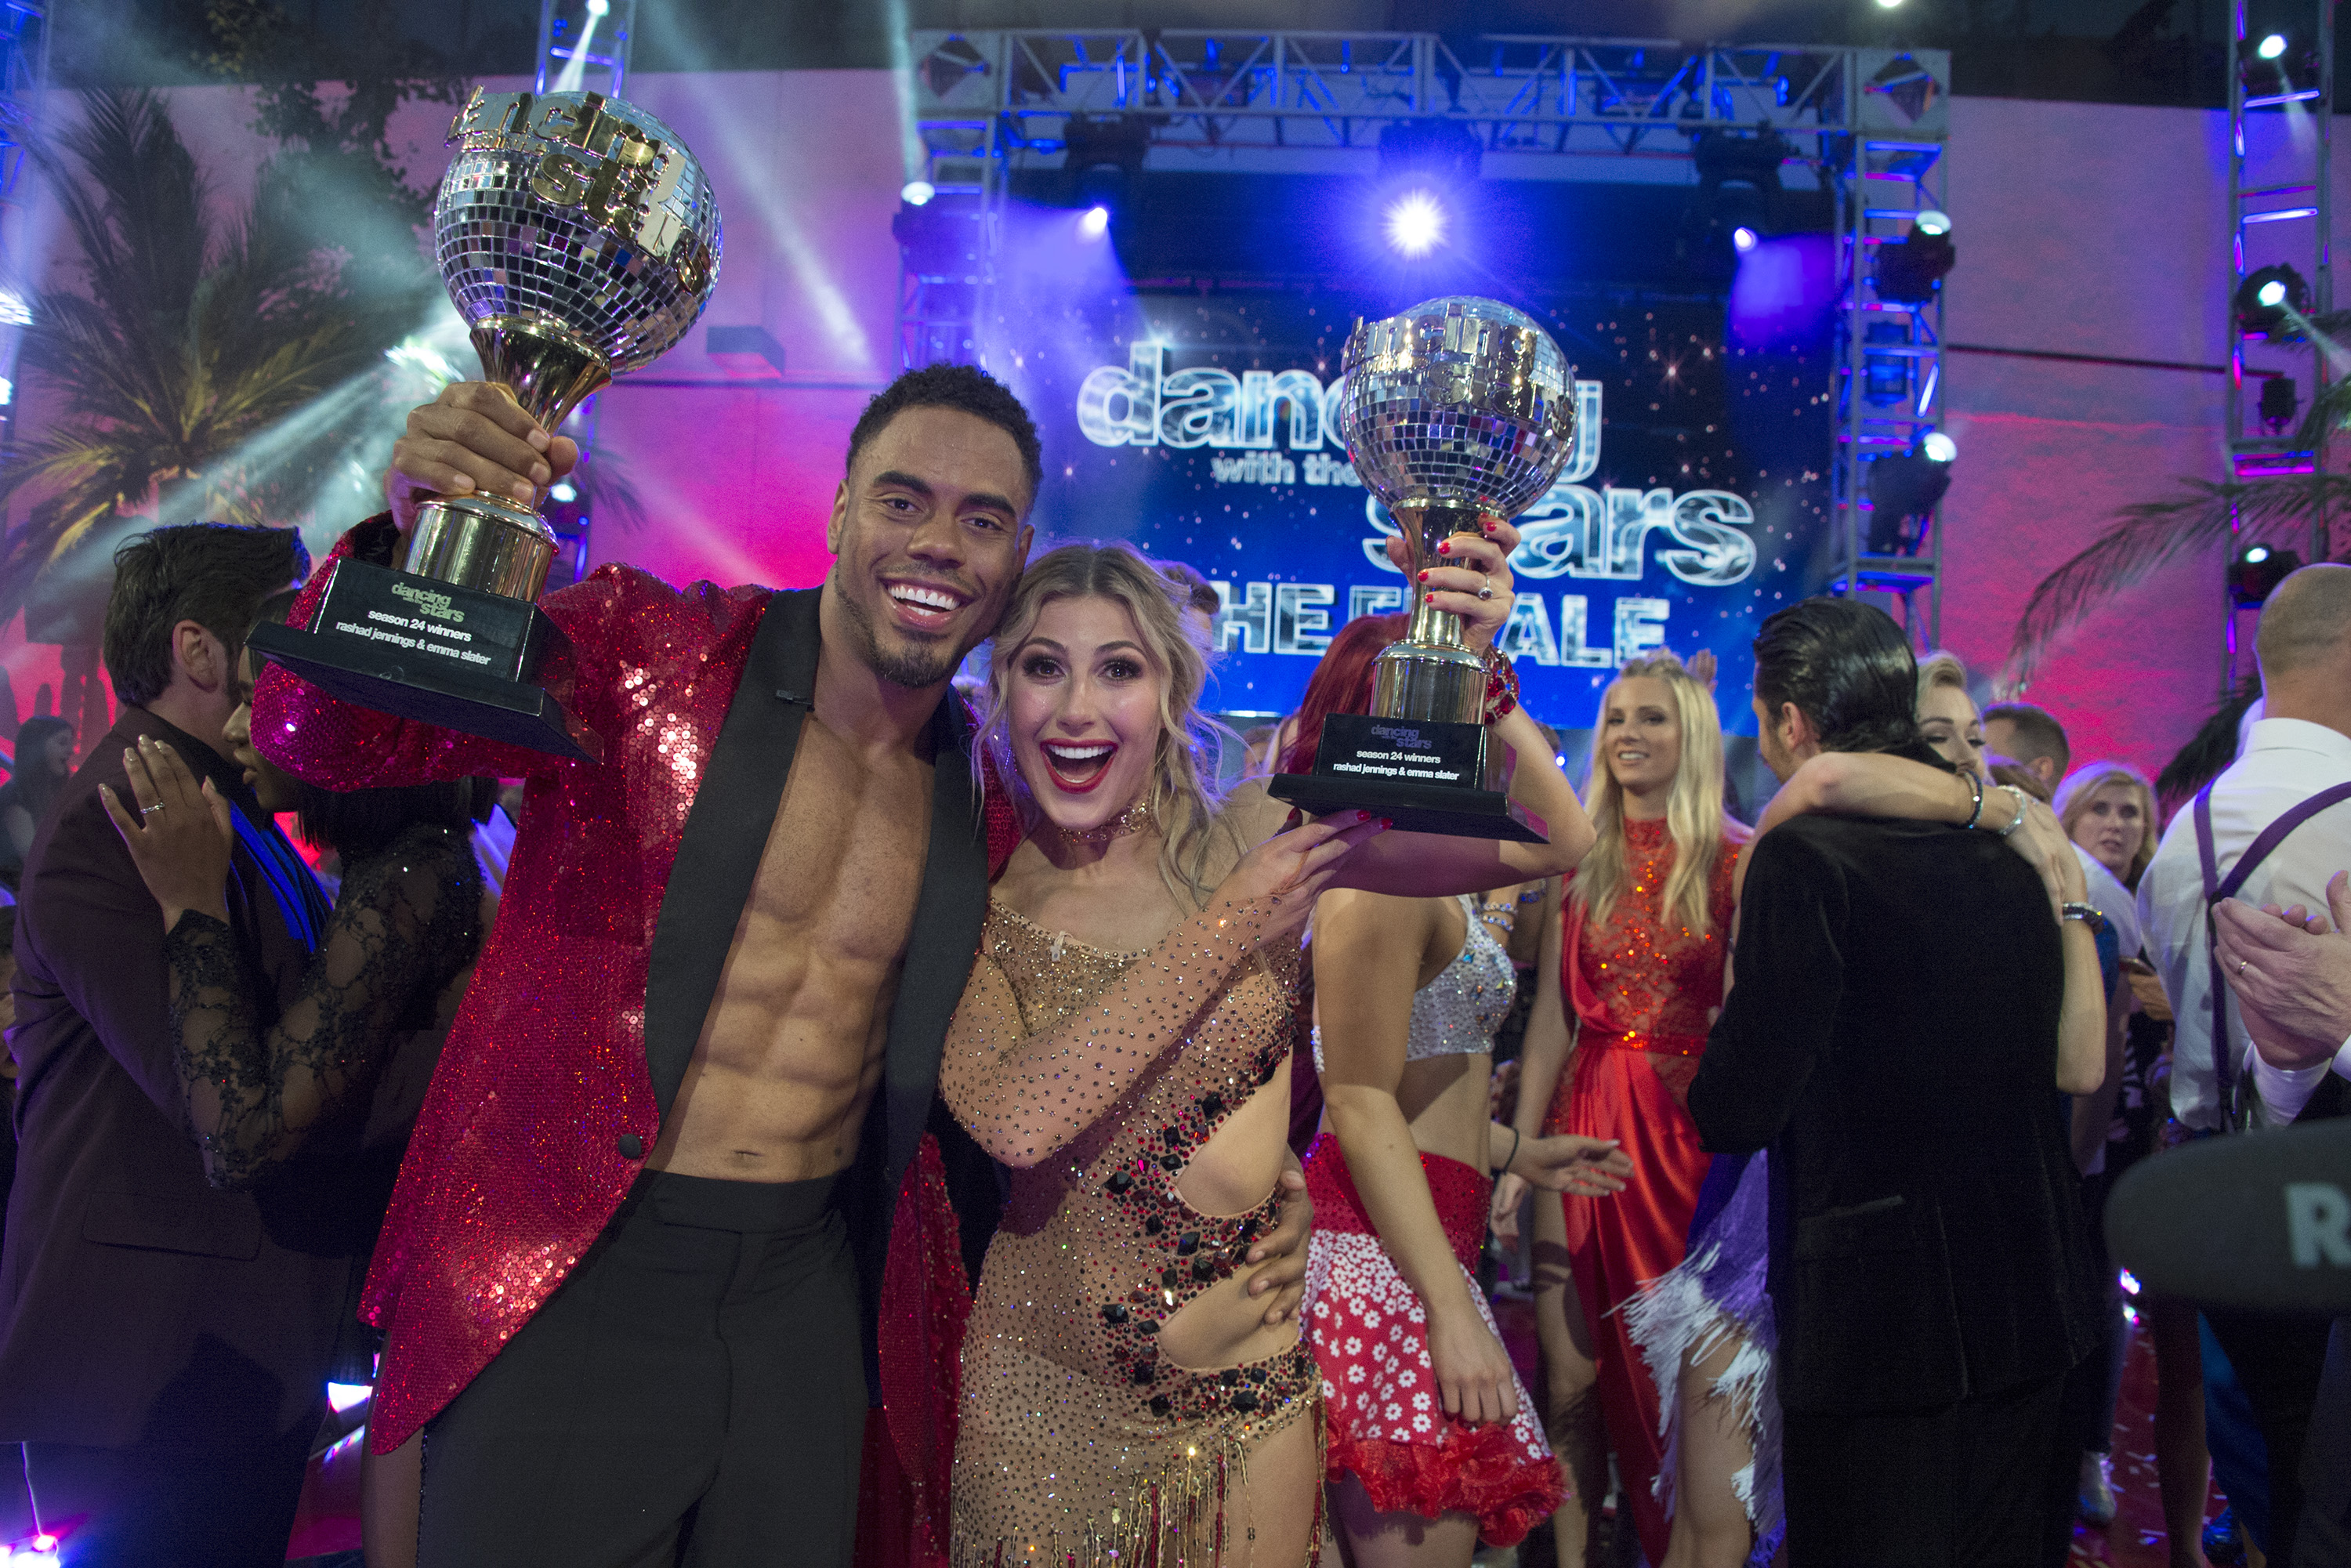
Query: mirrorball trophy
point(1456, 407)
point(579, 238)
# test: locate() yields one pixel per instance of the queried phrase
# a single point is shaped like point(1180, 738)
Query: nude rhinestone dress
point(1079, 1445)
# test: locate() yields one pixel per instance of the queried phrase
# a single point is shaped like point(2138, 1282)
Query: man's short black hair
point(965, 387)
point(1847, 667)
point(2038, 734)
point(215, 574)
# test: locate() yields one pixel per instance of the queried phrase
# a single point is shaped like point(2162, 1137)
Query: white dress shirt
point(2285, 761)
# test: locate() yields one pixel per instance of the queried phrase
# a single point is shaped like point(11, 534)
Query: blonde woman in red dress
point(1631, 978)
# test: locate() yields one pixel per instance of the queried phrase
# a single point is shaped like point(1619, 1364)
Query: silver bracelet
point(2089, 915)
point(2018, 821)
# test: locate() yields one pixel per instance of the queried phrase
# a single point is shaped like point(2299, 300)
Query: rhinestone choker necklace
point(1133, 819)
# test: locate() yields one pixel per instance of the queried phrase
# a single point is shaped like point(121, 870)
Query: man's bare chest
point(842, 870)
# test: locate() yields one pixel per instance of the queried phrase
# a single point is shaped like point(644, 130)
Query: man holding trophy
point(622, 1271)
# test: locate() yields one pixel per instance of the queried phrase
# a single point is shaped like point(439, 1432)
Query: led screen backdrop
point(1203, 429)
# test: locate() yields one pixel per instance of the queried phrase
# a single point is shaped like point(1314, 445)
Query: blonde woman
point(1947, 715)
point(1123, 1044)
point(1634, 966)
point(2107, 809)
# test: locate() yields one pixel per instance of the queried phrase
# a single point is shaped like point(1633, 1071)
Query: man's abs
point(792, 1047)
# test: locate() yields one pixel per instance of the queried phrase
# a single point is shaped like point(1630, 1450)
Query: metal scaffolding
point(989, 104)
point(2281, 92)
point(1889, 372)
point(583, 47)
point(24, 72)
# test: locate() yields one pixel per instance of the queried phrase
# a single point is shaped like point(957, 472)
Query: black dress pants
point(1985, 1482)
point(2278, 1360)
point(693, 1394)
point(170, 1505)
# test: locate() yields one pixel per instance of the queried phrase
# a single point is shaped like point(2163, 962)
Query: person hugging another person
point(1124, 1044)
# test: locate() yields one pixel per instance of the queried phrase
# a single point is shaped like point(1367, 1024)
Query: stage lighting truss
point(1891, 469)
point(24, 75)
point(2280, 110)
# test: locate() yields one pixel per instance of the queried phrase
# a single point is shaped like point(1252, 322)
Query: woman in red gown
point(1638, 954)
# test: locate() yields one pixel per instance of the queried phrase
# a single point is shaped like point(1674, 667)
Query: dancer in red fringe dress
point(1646, 929)
point(1432, 1442)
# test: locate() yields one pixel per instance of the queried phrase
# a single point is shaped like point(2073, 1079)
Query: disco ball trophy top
point(1458, 406)
point(579, 238)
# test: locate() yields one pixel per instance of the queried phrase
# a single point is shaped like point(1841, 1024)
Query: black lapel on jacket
point(725, 830)
point(944, 938)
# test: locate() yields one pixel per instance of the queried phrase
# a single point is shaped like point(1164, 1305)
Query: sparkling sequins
point(1456, 1014)
point(523, 1144)
point(1641, 982)
point(1069, 1414)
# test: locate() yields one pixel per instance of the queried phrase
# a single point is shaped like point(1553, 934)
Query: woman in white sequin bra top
point(1431, 1439)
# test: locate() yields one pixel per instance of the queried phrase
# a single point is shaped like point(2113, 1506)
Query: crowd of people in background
point(1796, 1134)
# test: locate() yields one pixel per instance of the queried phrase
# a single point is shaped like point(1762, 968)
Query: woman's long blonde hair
point(2074, 799)
point(1694, 814)
point(1183, 794)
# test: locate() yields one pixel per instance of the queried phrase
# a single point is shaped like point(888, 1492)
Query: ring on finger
point(149, 810)
point(1486, 589)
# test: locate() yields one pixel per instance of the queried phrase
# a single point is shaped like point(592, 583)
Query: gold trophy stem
point(487, 541)
point(1430, 674)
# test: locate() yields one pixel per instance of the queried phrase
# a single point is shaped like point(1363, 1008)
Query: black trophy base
point(1425, 777)
point(435, 653)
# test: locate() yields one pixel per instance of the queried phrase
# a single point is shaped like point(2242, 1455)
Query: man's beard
point(914, 668)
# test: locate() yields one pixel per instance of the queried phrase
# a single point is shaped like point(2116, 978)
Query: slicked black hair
point(1847, 667)
point(967, 388)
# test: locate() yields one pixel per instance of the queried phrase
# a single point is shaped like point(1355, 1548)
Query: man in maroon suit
point(165, 1347)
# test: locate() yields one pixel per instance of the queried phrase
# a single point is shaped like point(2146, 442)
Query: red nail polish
point(1445, 547)
point(1387, 821)
point(1423, 577)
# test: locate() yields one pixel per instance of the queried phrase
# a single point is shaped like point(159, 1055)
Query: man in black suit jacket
point(165, 1347)
point(1892, 1037)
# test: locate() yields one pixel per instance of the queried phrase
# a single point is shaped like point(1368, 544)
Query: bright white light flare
point(1416, 223)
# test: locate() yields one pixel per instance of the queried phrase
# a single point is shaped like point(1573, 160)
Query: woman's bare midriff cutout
point(1233, 1173)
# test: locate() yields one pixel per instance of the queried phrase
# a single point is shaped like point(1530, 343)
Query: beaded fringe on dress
point(1179, 1518)
point(1714, 1296)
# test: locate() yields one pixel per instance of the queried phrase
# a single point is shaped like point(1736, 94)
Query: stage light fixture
point(1415, 223)
point(1904, 490)
point(1888, 4)
point(2265, 298)
point(2280, 401)
point(2271, 47)
point(1103, 159)
point(917, 193)
point(1094, 223)
point(2256, 570)
point(1743, 239)
point(1936, 447)
point(1910, 270)
point(1441, 151)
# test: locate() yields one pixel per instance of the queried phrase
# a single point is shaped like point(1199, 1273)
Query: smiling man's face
point(928, 540)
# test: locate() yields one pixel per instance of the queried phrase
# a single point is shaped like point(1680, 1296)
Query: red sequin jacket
point(627, 882)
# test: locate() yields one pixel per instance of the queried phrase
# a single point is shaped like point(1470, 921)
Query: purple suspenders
point(2218, 888)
